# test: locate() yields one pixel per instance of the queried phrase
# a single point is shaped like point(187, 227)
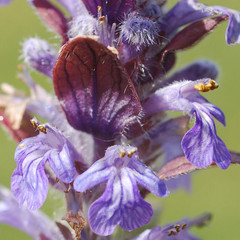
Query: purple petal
point(33, 223)
point(211, 108)
point(202, 146)
point(145, 177)
point(195, 71)
point(96, 174)
point(180, 182)
point(150, 9)
point(30, 184)
point(121, 204)
point(5, 2)
point(62, 164)
point(233, 30)
point(39, 55)
point(184, 12)
point(115, 10)
point(96, 93)
point(74, 7)
point(216, 112)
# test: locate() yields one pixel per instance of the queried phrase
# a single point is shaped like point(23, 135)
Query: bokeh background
point(213, 190)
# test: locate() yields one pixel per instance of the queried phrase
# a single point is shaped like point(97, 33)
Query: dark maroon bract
point(95, 92)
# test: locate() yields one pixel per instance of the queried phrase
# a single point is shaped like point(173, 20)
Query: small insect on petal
point(38, 125)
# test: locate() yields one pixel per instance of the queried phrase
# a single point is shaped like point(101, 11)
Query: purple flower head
point(139, 31)
point(39, 55)
point(121, 203)
point(200, 144)
point(29, 182)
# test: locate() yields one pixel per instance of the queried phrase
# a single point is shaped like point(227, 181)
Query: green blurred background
point(213, 190)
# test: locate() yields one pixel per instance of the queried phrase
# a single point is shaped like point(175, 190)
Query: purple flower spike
point(39, 55)
point(94, 89)
point(121, 203)
point(200, 144)
point(29, 182)
point(195, 71)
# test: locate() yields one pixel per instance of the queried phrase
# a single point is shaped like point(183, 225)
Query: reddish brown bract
point(94, 89)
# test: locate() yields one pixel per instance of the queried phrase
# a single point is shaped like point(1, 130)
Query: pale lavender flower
point(29, 182)
point(184, 96)
point(121, 203)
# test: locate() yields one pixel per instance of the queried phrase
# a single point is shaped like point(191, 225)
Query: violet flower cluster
point(107, 137)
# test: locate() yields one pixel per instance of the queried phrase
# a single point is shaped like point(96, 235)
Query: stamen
point(34, 123)
point(101, 19)
point(21, 145)
point(68, 189)
point(176, 229)
point(99, 8)
point(131, 153)
point(211, 85)
point(122, 154)
point(184, 226)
